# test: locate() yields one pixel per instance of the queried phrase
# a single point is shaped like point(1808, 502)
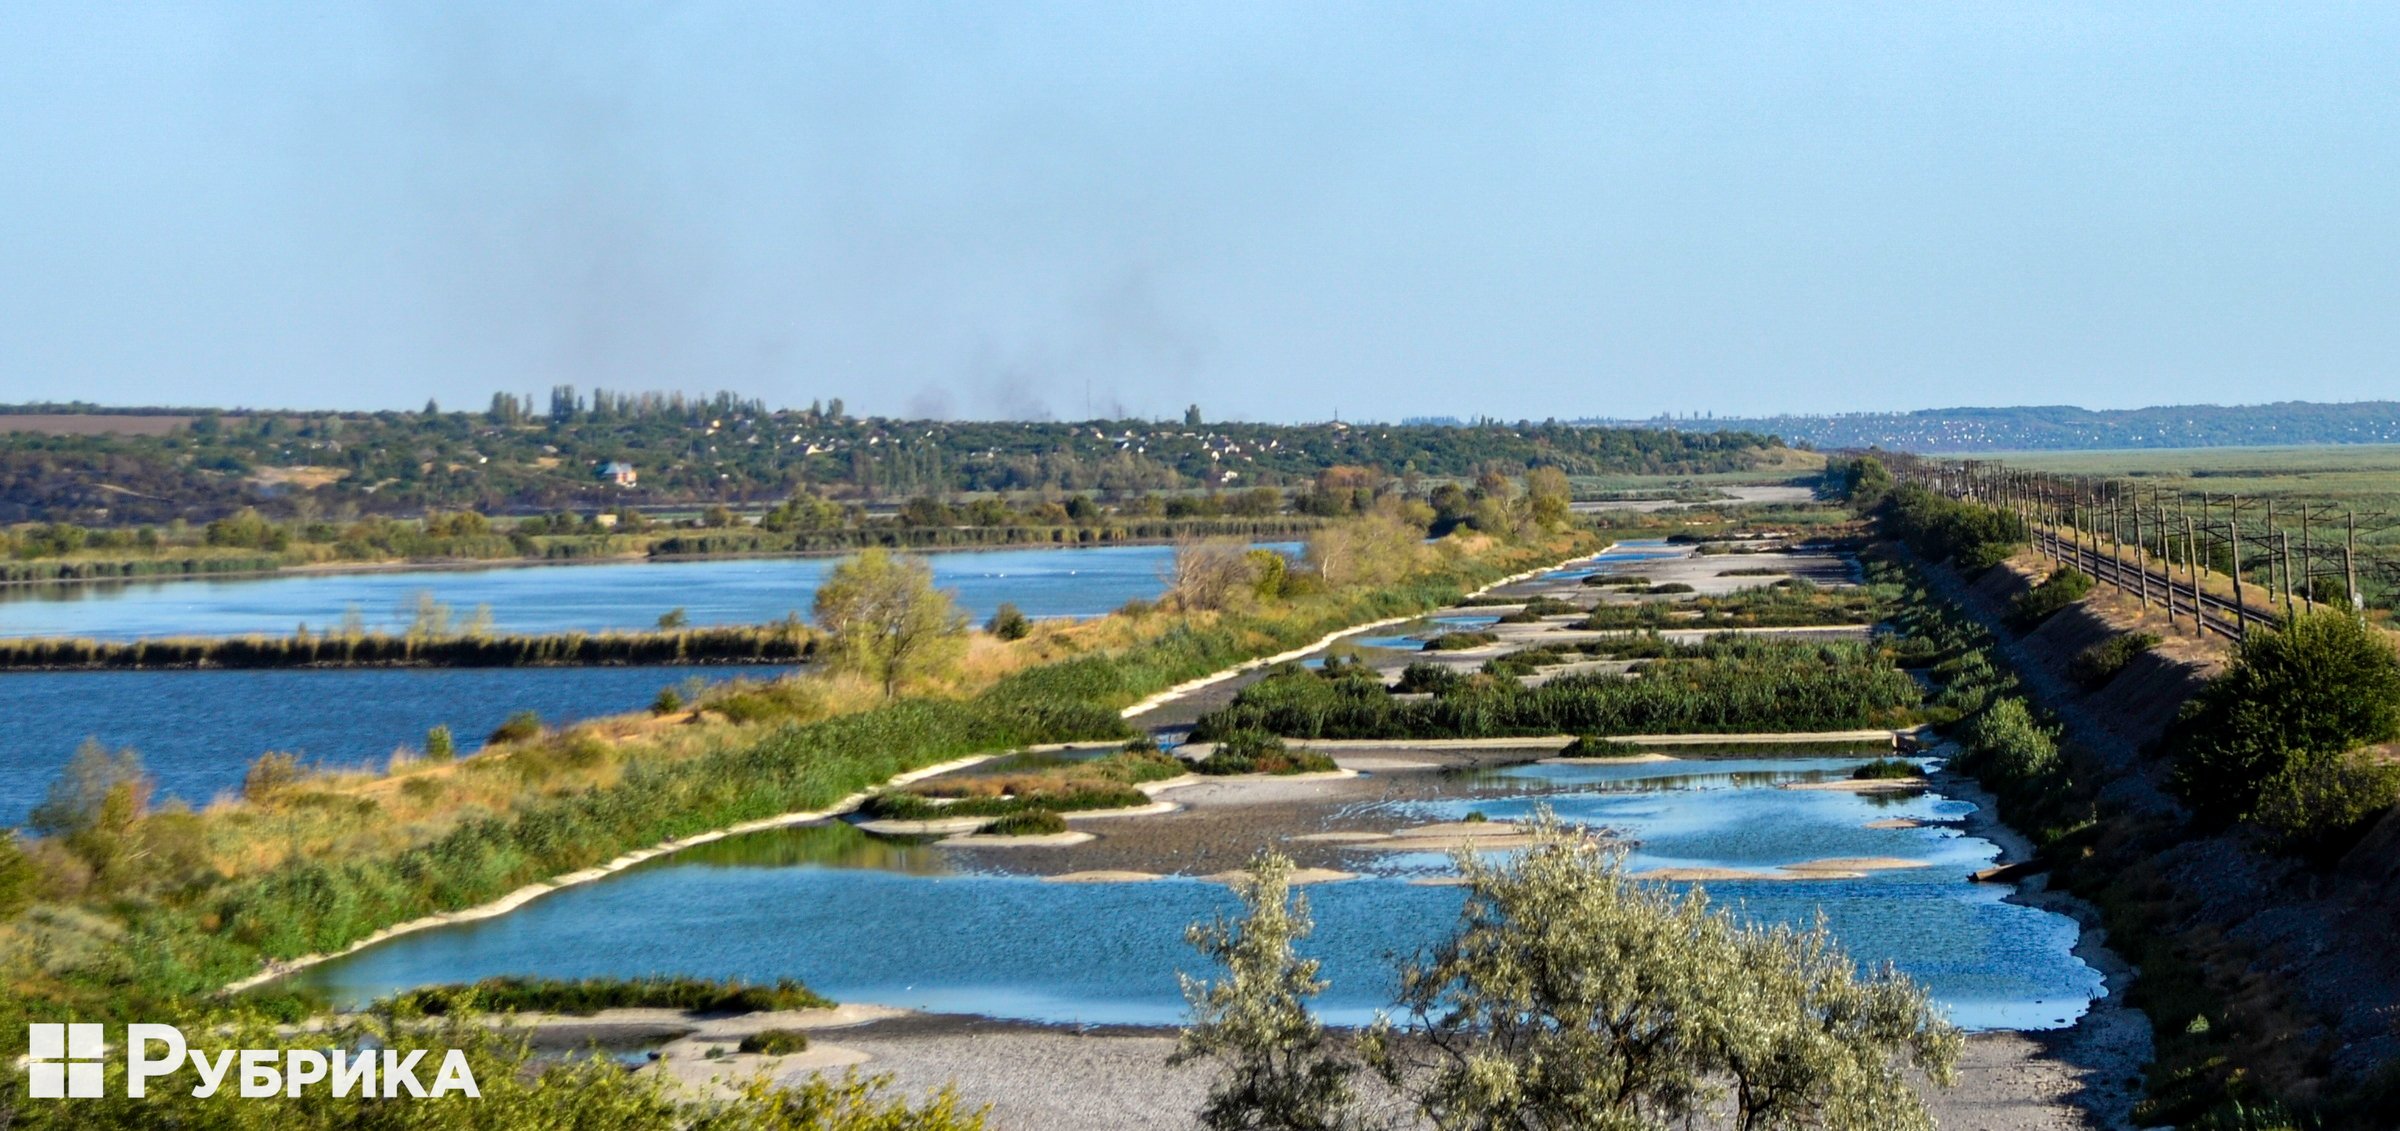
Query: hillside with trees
point(519, 457)
point(2065, 428)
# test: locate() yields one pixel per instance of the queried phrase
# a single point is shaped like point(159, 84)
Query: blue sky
point(1279, 211)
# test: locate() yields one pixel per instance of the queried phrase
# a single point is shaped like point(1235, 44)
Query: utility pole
point(2285, 537)
point(2233, 534)
point(2350, 561)
point(2141, 555)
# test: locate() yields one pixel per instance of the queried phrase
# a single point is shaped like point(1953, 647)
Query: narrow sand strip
point(1299, 876)
point(1151, 810)
point(1104, 876)
point(1870, 785)
point(939, 826)
point(1032, 840)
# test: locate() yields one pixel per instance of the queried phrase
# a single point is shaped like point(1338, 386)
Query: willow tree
point(884, 619)
point(1570, 995)
point(1277, 1068)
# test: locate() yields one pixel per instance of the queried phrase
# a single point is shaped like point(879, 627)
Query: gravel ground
point(1040, 1078)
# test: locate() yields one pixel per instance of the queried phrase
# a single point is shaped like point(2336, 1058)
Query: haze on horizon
point(1277, 211)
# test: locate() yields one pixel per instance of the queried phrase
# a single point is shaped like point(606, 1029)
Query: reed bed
point(742, 644)
point(1734, 685)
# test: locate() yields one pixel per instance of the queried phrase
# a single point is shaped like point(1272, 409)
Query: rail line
point(2211, 612)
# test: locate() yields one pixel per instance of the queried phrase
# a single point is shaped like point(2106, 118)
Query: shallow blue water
point(867, 920)
point(198, 731)
point(1045, 582)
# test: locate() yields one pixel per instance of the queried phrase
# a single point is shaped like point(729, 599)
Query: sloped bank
point(2267, 979)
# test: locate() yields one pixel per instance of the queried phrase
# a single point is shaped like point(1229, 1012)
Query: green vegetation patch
point(1027, 822)
point(775, 1042)
point(2094, 666)
point(586, 996)
point(2062, 588)
point(1260, 752)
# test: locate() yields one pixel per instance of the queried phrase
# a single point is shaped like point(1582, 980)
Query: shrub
point(1276, 1067)
point(1423, 677)
point(2057, 591)
point(1605, 580)
point(1570, 995)
point(2093, 667)
point(1028, 822)
point(1539, 607)
point(2323, 685)
point(1670, 587)
point(2018, 747)
point(1885, 769)
point(668, 702)
point(2319, 803)
point(1595, 746)
point(1009, 623)
point(439, 745)
point(1258, 752)
point(746, 707)
point(1453, 641)
point(517, 728)
point(268, 774)
point(775, 1042)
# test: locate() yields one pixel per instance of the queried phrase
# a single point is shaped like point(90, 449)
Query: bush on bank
point(2273, 738)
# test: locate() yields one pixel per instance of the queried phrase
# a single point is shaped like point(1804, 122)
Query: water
point(862, 919)
point(198, 730)
point(1045, 582)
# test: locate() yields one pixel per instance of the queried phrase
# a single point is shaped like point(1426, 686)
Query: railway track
point(2212, 613)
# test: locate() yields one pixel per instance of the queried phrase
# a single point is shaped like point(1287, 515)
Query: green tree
point(2322, 685)
point(1276, 1068)
point(1572, 996)
point(1547, 496)
point(885, 620)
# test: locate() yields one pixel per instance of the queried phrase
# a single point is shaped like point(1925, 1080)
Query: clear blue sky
point(1275, 210)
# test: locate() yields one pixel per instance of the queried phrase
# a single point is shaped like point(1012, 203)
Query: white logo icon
point(50, 1044)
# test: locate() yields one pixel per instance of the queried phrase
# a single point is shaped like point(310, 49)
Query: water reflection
point(833, 844)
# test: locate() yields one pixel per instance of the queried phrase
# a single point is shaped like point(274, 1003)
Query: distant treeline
point(754, 541)
point(774, 644)
point(606, 450)
point(2066, 428)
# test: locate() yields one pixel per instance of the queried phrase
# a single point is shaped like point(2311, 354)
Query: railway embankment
point(2269, 978)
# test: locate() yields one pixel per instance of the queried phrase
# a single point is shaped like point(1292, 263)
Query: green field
point(2364, 478)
